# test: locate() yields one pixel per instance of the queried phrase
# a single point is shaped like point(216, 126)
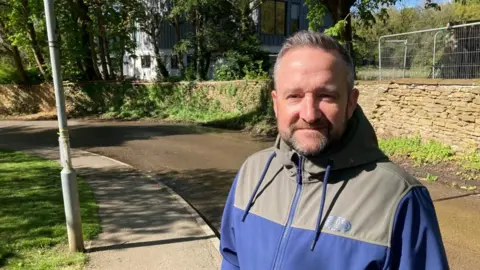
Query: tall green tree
point(218, 26)
point(22, 18)
point(12, 50)
point(340, 12)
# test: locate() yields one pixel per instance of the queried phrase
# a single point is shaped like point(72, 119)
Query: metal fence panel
point(451, 52)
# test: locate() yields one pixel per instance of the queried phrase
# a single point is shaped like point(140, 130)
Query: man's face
point(312, 101)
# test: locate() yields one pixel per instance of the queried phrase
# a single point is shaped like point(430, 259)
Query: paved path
point(200, 165)
point(144, 224)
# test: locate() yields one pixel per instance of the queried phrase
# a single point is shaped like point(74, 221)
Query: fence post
point(405, 58)
point(380, 59)
point(434, 52)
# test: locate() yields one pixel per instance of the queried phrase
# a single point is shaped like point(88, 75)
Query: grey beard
point(295, 145)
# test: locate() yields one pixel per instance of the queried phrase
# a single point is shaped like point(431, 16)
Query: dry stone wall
point(446, 111)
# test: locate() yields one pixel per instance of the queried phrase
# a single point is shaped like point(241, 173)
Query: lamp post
point(68, 176)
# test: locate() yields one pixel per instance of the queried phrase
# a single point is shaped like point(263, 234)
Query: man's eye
point(294, 96)
point(326, 96)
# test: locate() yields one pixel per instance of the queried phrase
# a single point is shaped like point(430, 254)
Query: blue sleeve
point(227, 233)
point(416, 240)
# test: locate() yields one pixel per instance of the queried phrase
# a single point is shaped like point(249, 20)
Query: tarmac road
point(200, 164)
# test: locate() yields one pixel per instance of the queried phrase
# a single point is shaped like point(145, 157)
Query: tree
point(340, 12)
point(13, 51)
point(218, 26)
point(23, 15)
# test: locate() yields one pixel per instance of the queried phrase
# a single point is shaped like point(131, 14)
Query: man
point(325, 196)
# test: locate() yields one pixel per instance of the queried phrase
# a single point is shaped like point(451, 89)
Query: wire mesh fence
point(451, 52)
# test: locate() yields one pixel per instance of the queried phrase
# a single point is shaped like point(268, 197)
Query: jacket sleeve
point(416, 240)
point(228, 248)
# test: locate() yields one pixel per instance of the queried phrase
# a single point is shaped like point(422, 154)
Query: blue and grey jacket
point(349, 209)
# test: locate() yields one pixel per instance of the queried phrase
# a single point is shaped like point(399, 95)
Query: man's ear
point(352, 102)
point(274, 98)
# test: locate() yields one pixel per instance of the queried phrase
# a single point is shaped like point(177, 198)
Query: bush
point(9, 75)
point(247, 61)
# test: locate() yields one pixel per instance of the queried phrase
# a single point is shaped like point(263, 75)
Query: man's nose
point(310, 111)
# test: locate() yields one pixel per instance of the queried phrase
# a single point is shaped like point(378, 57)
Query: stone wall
point(444, 110)
point(447, 111)
point(16, 99)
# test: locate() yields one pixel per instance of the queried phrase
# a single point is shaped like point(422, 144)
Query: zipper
point(286, 231)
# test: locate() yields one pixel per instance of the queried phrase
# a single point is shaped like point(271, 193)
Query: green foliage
point(227, 105)
point(32, 220)
point(421, 152)
point(337, 29)
point(9, 75)
point(339, 11)
point(316, 14)
point(96, 35)
point(254, 71)
point(246, 61)
point(470, 162)
point(430, 152)
point(431, 177)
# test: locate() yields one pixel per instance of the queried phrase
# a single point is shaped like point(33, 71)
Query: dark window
point(174, 62)
point(294, 18)
point(273, 14)
point(146, 61)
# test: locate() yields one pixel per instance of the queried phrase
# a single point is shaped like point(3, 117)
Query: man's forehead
point(315, 65)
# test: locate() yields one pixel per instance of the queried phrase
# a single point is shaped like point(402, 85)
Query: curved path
point(200, 164)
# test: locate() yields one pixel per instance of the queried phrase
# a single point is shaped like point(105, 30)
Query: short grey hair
point(317, 40)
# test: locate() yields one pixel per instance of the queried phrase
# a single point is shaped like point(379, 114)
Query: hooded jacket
point(350, 208)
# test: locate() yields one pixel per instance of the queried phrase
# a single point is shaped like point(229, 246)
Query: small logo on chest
point(338, 224)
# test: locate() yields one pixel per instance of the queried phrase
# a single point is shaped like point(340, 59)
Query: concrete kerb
point(193, 213)
point(207, 230)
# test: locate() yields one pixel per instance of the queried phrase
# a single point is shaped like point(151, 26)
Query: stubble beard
point(321, 140)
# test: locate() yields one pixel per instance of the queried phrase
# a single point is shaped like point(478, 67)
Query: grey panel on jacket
point(367, 196)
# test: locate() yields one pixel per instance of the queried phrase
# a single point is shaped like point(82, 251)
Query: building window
point(173, 62)
point(273, 14)
point(294, 18)
point(146, 61)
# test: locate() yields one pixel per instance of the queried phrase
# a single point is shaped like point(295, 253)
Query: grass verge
point(32, 219)
point(429, 152)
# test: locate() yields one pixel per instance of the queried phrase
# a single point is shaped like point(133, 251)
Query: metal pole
point(433, 29)
point(380, 59)
point(405, 58)
point(68, 176)
point(434, 52)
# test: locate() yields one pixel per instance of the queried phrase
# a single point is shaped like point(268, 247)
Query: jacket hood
point(358, 146)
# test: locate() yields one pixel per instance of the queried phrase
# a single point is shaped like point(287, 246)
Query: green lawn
point(32, 219)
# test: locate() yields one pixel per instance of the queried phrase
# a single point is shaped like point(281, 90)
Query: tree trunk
point(39, 59)
point(19, 65)
point(160, 64)
point(206, 66)
point(340, 10)
point(101, 40)
point(181, 65)
point(198, 47)
point(15, 53)
point(161, 69)
point(347, 37)
point(122, 54)
point(89, 56)
point(111, 73)
point(94, 56)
